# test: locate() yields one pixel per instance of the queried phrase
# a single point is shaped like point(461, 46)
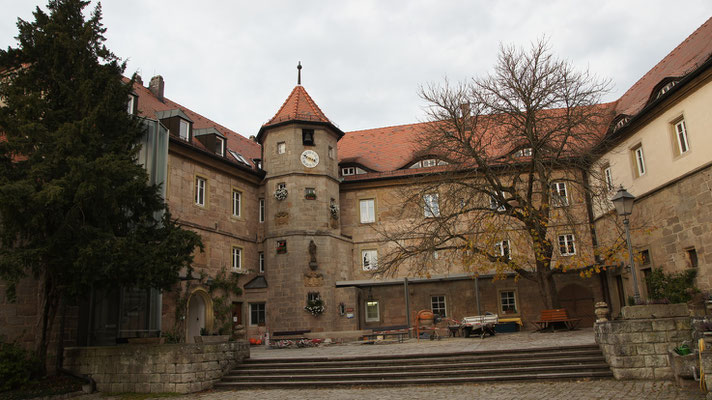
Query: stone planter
point(684, 368)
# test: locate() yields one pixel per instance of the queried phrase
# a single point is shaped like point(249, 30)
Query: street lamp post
point(624, 207)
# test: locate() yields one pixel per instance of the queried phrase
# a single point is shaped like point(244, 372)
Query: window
point(527, 152)
point(559, 197)
point(432, 206)
point(681, 136)
point(608, 176)
point(566, 245)
point(645, 257)
point(348, 171)
point(258, 314)
point(639, 160)
point(261, 258)
point(310, 193)
point(220, 146)
point(501, 249)
point(200, 191)
point(369, 259)
point(308, 137)
point(313, 296)
point(239, 157)
point(184, 130)
point(236, 259)
point(429, 163)
point(130, 105)
point(281, 148)
point(281, 185)
point(437, 305)
point(330, 152)
point(508, 302)
point(262, 210)
point(236, 202)
point(692, 257)
point(372, 312)
point(495, 204)
point(368, 214)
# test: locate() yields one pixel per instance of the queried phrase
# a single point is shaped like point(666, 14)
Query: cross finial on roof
point(299, 73)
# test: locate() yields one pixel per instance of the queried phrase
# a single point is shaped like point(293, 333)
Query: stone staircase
point(573, 362)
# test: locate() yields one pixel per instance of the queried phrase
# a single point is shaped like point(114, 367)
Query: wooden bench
point(549, 318)
point(399, 335)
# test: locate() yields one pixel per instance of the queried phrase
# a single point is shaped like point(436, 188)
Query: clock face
point(310, 158)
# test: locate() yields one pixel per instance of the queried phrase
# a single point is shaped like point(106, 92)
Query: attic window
point(623, 121)
point(430, 162)
point(131, 105)
point(184, 130)
point(308, 137)
point(665, 89)
point(526, 152)
point(345, 171)
point(220, 146)
point(239, 157)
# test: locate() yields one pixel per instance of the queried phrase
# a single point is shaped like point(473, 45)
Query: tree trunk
point(48, 304)
point(547, 287)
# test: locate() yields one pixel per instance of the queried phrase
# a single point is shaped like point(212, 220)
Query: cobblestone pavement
point(554, 390)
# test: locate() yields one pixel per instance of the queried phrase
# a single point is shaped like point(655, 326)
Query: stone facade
point(140, 368)
point(637, 346)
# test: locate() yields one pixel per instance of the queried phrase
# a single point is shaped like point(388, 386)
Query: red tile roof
point(381, 149)
point(299, 106)
point(148, 105)
point(685, 58)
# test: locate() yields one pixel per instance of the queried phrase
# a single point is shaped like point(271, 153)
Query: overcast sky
point(235, 61)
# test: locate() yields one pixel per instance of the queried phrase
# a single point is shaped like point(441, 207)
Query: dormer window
point(526, 152)
point(308, 137)
point(220, 146)
point(345, 171)
point(239, 157)
point(427, 163)
point(184, 130)
point(131, 105)
point(665, 89)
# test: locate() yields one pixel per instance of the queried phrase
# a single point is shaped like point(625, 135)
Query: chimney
point(138, 79)
point(465, 110)
point(156, 86)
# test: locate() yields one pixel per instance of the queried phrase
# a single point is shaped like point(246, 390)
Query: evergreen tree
point(76, 210)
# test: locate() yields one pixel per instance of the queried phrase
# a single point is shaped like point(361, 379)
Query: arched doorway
point(200, 314)
point(578, 301)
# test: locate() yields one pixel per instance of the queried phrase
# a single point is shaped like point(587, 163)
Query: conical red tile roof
point(299, 106)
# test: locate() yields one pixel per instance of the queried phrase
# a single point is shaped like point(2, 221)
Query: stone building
point(291, 214)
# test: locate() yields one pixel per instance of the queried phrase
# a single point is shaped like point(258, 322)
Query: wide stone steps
point(574, 362)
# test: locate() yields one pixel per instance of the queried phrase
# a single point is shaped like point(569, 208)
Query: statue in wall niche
point(312, 255)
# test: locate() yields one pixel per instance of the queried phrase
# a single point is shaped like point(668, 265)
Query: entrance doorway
point(199, 318)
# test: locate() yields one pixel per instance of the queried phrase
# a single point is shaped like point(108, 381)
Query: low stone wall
point(144, 368)
point(637, 346)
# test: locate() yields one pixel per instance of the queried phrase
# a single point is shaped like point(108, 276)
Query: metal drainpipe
point(407, 304)
point(477, 294)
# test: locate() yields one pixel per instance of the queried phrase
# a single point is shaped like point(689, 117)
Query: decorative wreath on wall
point(315, 307)
point(280, 194)
point(334, 210)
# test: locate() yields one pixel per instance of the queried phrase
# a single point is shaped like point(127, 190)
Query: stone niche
point(143, 368)
point(638, 345)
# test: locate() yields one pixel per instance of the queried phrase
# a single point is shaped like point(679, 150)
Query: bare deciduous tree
point(515, 194)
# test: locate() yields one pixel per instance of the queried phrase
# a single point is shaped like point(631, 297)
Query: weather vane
point(299, 73)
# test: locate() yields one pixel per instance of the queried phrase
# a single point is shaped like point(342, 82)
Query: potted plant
point(315, 307)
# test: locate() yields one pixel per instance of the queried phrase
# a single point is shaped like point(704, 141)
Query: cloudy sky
point(234, 61)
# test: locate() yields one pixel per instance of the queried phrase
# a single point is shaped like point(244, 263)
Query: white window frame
point(496, 205)
point(236, 258)
point(330, 152)
point(281, 185)
point(430, 162)
point(220, 148)
point(200, 186)
point(262, 210)
point(263, 311)
point(369, 259)
point(608, 176)
point(438, 303)
point(281, 147)
point(503, 248)
point(431, 205)
point(373, 304)
point(346, 171)
point(639, 160)
point(559, 194)
point(567, 242)
point(184, 134)
point(236, 203)
point(367, 211)
point(681, 135)
point(130, 105)
point(509, 300)
point(261, 262)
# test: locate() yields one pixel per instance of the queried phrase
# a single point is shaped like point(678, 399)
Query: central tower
point(305, 253)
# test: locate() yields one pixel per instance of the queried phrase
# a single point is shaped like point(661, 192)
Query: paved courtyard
point(552, 390)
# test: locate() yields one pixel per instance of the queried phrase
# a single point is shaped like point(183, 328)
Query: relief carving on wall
point(281, 218)
point(313, 279)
